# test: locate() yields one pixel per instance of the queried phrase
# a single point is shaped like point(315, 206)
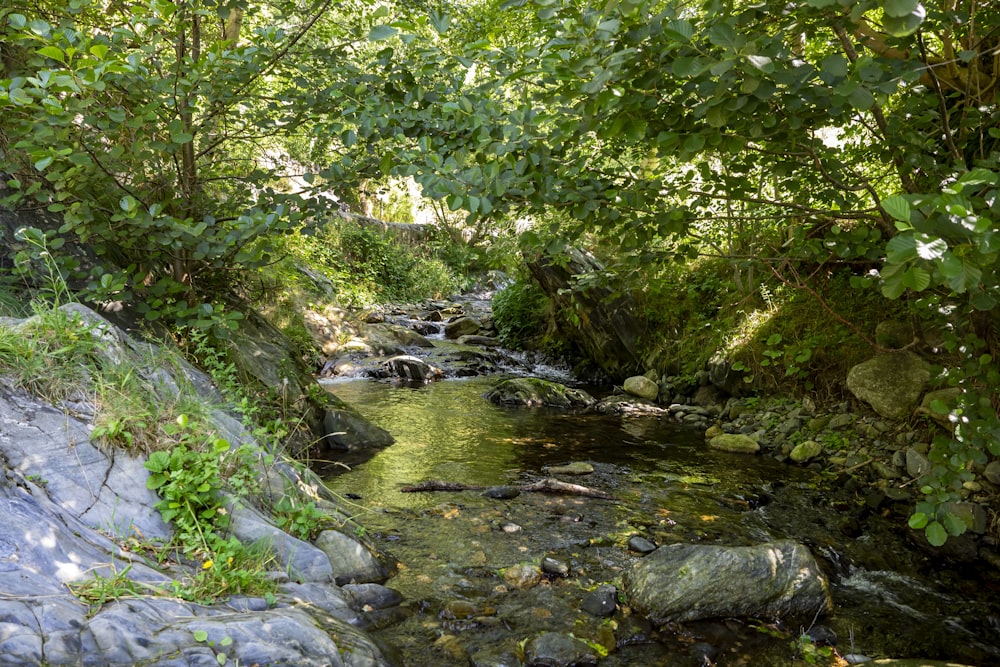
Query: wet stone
point(494, 658)
point(553, 567)
point(552, 649)
point(641, 544)
point(523, 576)
point(372, 596)
point(575, 468)
point(601, 602)
point(502, 492)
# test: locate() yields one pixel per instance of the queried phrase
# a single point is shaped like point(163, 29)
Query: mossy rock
point(535, 392)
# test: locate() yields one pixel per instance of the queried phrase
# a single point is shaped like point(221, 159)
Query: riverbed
point(456, 550)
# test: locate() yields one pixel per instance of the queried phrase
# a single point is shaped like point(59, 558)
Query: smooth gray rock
point(535, 392)
point(917, 464)
point(352, 561)
point(553, 649)
point(462, 326)
point(686, 582)
point(300, 560)
point(891, 384)
point(641, 386)
point(601, 602)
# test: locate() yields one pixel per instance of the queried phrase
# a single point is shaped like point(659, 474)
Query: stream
point(457, 550)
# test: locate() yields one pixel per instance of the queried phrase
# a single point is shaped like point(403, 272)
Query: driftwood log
point(547, 485)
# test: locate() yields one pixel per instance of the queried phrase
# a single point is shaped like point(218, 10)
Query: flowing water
point(455, 548)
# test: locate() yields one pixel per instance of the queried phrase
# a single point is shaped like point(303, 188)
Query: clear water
point(454, 547)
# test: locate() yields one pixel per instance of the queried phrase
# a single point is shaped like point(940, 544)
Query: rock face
point(264, 354)
point(891, 383)
point(641, 386)
point(686, 582)
point(69, 505)
point(535, 392)
point(607, 331)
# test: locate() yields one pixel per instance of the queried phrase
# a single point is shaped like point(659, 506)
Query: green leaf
point(916, 278)
point(53, 52)
point(928, 247)
point(953, 523)
point(900, 8)
point(40, 165)
point(901, 248)
point(861, 99)
point(903, 26)
point(722, 35)
point(381, 32)
point(763, 63)
point(17, 21)
point(898, 207)
point(680, 28)
point(200, 635)
point(918, 520)
point(936, 534)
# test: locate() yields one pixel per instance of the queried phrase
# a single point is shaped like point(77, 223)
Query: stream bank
point(464, 555)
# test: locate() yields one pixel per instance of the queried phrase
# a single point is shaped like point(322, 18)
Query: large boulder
point(891, 384)
point(641, 386)
point(688, 582)
point(607, 328)
point(535, 392)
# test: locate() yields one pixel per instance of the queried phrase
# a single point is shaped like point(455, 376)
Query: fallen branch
point(548, 485)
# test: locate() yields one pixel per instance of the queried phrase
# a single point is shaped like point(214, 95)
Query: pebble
point(554, 567)
point(641, 544)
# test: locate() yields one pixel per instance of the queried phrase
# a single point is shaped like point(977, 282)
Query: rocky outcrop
point(535, 392)
point(688, 582)
point(74, 512)
point(264, 355)
point(607, 328)
point(891, 383)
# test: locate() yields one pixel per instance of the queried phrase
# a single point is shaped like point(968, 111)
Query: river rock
point(917, 465)
point(482, 341)
point(891, 383)
point(805, 451)
point(601, 602)
point(411, 368)
point(352, 561)
point(574, 468)
point(736, 443)
point(523, 576)
point(688, 582)
point(553, 649)
point(535, 392)
point(462, 326)
point(641, 386)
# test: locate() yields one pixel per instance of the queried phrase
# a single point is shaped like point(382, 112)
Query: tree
point(861, 132)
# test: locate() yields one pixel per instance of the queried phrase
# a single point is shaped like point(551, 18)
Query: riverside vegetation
point(762, 185)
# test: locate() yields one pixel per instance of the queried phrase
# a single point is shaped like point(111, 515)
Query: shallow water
point(453, 547)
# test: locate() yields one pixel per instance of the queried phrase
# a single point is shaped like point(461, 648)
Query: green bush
point(520, 314)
